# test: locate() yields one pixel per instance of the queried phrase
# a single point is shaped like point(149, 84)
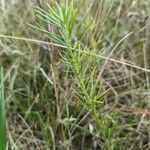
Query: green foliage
point(83, 67)
point(2, 113)
point(63, 19)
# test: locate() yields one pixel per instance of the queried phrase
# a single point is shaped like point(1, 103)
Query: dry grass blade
point(89, 53)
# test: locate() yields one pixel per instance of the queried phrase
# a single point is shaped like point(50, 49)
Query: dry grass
point(91, 94)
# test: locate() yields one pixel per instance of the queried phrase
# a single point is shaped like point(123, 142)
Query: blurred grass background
point(46, 99)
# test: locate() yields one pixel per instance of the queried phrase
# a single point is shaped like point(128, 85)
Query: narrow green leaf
point(2, 113)
point(49, 17)
point(54, 37)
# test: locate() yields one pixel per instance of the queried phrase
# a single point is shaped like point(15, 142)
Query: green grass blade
point(2, 113)
point(54, 37)
point(49, 18)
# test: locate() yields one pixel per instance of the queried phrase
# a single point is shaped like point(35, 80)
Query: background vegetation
point(76, 74)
